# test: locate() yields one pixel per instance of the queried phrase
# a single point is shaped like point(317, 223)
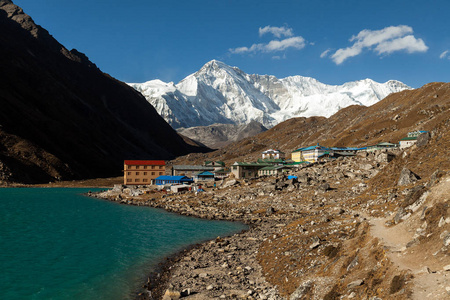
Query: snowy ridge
point(218, 93)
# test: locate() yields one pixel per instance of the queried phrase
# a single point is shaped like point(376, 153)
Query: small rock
point(314, 245)
point(447, 268)
point(270, 211)
point(446, 240)
point(323, 187)
point(353, 264)
point(171, 295)
point(355, 283)
point(185, 292)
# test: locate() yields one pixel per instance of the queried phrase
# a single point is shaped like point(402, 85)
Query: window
point(153, 167)
point(145, 167)
point(137, 173)
point(160, 167)
point(137, 180)
point(128, 173)
point(129, 180)
point(145, 173)
point(145, 180)
point(160, 173)
point(153, 173)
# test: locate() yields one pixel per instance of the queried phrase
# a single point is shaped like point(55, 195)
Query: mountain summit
point(218, 93)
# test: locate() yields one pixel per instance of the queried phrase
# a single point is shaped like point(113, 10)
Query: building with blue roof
point(314, 153)
point(204, 176)
point(167, 179)
point(309, 154)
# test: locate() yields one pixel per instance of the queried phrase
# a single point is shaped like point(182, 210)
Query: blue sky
point(334, 41)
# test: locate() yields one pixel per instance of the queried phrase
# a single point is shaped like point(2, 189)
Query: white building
point(273, 154)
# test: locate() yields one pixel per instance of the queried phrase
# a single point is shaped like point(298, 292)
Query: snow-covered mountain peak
point(219, 93)
point(214, 66)
point(154, 88)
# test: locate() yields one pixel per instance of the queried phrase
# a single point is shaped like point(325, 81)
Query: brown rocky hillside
point(362, 227)
point(387, 121)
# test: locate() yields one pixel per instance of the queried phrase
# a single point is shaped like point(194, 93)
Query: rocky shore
point(310, 237)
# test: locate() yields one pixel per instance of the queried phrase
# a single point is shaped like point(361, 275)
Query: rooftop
point(409, 138)
point(192, 167)
point(175, 178)
point(244, 164)
point(273, 167)
point(145, 162)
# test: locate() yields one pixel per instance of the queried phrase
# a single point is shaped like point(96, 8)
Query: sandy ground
point(431, 280)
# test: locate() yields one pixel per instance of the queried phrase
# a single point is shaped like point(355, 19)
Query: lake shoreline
point(161, 281)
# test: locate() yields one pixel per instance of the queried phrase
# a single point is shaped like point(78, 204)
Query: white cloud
point(342, 54)
point(277, 57)
point(444, 55)
point(408, 43)
point(276, 31)
point(294, 42)
point(384, 41)
point(325, 53)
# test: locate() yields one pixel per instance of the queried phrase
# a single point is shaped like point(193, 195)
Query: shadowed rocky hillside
point(62, 118)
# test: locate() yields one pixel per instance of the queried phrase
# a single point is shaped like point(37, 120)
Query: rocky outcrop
point(407, 177)
point(219, 135)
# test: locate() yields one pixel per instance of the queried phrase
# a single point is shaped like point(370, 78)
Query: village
point(273, 162)
point(348, 224)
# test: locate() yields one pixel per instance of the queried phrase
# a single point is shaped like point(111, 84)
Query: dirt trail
point(423, 259)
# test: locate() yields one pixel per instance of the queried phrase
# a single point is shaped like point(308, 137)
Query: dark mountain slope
point(61, 117)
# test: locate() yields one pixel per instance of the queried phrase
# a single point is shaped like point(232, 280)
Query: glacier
point(219, 93)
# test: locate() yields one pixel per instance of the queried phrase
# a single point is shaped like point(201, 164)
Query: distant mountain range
point(218, 93)
point(389, 120)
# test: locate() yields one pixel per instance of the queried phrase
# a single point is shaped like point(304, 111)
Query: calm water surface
point(57, 244)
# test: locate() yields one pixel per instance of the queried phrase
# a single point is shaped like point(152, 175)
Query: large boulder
point(407, 177)
point(423, 139)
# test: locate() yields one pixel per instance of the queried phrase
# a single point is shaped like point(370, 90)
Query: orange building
point(142, 171)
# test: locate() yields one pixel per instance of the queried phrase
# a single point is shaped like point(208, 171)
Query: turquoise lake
point(58, 244)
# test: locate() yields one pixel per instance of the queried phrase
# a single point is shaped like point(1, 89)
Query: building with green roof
point(247, 170)
point(272, 170)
